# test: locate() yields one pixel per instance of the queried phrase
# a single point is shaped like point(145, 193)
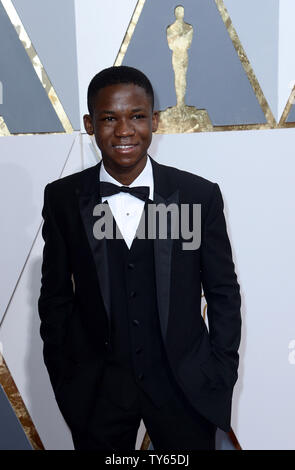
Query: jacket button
point(132, 294)
point(135, 322)
point(140, 376)
point(131, 266)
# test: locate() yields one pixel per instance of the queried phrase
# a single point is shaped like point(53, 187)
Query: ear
point(155, 121)
point(88, 124)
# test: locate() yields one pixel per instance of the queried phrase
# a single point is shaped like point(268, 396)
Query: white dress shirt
point(127, 209)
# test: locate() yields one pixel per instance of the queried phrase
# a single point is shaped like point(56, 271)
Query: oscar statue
point(182, 118)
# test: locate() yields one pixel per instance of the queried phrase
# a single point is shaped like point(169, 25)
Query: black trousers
point(175, 426)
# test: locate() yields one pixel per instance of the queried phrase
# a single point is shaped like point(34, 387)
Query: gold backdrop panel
point(183, 118)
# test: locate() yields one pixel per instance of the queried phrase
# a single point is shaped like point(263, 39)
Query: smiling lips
point(125, 148)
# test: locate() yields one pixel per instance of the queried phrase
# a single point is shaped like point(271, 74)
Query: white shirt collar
point(145, 178)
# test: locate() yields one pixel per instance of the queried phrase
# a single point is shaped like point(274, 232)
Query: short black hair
point(114, 76)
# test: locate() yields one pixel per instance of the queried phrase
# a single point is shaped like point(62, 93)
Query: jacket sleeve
point(56, 297)
point(221, 290)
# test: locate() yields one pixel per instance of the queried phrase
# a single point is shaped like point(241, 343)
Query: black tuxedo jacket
point(74, 303)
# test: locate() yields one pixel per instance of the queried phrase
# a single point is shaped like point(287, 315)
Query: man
point(124, 338)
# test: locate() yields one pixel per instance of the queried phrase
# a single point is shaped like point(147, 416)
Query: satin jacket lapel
point(88, 195)
point(163, 248)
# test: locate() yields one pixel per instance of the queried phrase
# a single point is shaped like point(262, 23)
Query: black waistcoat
point(137, 357)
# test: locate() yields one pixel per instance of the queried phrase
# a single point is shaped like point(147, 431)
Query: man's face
point(122, 122)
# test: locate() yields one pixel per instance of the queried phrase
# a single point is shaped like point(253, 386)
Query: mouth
point(126, 148)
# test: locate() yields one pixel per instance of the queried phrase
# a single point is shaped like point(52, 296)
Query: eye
point(139, 116)
point(108, 118)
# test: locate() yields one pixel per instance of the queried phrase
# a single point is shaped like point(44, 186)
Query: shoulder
point(189, 184)
point(73, 179)
point(193, 189)
point(71, 183)
point(185, 176)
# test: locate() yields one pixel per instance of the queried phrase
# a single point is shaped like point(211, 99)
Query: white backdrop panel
point(26, 164)
point(74, 161)
point(19, 334)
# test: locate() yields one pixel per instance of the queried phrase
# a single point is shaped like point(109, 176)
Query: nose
point(124, 128)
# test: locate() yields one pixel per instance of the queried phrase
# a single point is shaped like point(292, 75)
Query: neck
point(126, 176)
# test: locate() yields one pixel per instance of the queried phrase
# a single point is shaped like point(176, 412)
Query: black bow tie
point(108, 189)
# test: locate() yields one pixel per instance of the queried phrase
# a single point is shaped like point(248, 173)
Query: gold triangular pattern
point(37, 64)
point(18, 406)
